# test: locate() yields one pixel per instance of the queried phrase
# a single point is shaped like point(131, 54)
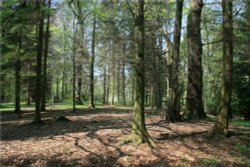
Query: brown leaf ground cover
point(91, 139)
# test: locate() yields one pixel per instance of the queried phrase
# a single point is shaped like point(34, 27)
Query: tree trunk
point(174, 110)
point(221, 125)
point(104, 85)
point(79, 89)
point(29, 86)
point(113, 75)
point(17, 85)
point(118, 81)
point(123, 77)
point(74, 68)
point(18, 77)
point(194, 92)
point(91, 98)
point(139, 132)
point(37, 118)
point(44, 85)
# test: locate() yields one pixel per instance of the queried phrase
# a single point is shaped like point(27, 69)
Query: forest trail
point(91, 138)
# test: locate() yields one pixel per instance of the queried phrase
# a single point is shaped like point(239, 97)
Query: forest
point(125, 83)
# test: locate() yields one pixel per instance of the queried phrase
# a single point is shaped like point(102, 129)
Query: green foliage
point(244, 149)
point(213, 162)
point(242, 122)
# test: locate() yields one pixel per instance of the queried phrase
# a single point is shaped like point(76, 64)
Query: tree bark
point(194, 93)
point(221, 125)
point(44, 85)
point(74, 68)
point(18, 76)
point(174, 110)
point(104, 85)
point(17, 85)
point(91, 98)
point(123, 76)
point(37, 118)
point(139, 132)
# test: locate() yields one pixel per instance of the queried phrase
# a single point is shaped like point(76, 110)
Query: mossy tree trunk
point(174, 81)
point(194, 91)
point(221, 125)
point(139, 132)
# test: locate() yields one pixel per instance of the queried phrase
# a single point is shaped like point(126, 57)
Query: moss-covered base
point(139, 139)
point(218, 131)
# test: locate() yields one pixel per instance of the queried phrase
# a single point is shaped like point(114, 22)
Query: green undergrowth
point(241, 122)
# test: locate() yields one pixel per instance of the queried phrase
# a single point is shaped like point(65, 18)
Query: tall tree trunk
point(139, 132)
point(91, 98)
point(74, 68)
point(123, 77)
point(18, 77)
point(17, 85)
point(194, 92)
point(118, 81)
point(37, 118)
point(29, 86)
point(79, 89)
point(221, 125)
point(44, 85)
point(63, 85)
point(174, 81)
point(108, 84)
point(104, 85)
point(113, 75)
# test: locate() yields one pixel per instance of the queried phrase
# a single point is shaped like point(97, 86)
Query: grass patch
point(213, 162)
point(244, 149)
point(241, 122)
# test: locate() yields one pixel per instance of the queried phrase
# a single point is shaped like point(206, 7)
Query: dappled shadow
point(54, 128)
point(90, 139)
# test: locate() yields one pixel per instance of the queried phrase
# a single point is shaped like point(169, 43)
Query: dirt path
point(90, 139)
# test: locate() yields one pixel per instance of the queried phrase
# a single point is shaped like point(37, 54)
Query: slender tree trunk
point(194, 92)
point(123, 77)
point(37, 118)
point(74, 68)
point(104, 85)
point(174, 81)
point(118, 81)
point(221, 125)
point(18, 77)
point(133, 90)
point(29, 85)
point(17, 85)
point(152, 104)
point(79, 89)
point(139, 132)
point(91, 98)
point(108, 84)
point(63, 85)
point(113, 75)
point(44, 85)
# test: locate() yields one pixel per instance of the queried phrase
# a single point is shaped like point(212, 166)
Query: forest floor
point(91, 139)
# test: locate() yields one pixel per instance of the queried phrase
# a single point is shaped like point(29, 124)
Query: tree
point(92, 61)
point(174, 82)
point(221, 125)
point(195, 107)
point(43, 105)
point(139, 132)
point(37, 118)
